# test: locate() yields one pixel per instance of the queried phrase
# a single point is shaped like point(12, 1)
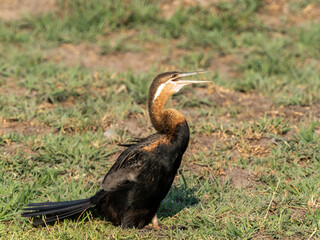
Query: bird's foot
point(156, 226)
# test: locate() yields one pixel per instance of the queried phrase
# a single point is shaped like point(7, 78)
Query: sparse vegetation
point(74, 82)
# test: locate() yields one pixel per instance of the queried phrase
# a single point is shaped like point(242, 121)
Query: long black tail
point(53, 211)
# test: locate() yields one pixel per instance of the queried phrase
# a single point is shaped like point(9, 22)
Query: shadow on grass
point(178, 198)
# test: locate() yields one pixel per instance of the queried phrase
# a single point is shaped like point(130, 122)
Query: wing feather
point(128, 164)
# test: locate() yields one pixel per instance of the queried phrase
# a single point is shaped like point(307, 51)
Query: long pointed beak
point(185, 74)
point(180, 77)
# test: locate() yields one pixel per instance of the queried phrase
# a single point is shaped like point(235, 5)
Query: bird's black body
point(142, 175)
point(140, 179)
point(133, 188)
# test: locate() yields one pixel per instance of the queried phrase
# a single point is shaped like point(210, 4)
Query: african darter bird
point(141, 177)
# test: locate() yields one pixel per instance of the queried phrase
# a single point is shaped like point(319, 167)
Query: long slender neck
point(163, 120)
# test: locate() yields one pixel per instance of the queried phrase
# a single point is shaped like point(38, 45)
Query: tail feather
point(58, 217)
point(55, 210)
point(54, 205)
point(68, 214)
point(57, 203)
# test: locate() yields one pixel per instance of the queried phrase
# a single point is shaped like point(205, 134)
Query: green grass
point(252, 167)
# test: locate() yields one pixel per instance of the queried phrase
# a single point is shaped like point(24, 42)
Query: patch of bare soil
point(238, 178)
point(279, 13)
point(169, 7)
point(12, 87)
point(16, 9)
point(13, 148)
point(200, 144)
point(261, 236)
point(197, 168)
point(248, 148)
point(226, 65)
point(135, 126)
point(203, 143)
point(251, 106)
point(25, 128)
point(298, 214)
point(89, 55)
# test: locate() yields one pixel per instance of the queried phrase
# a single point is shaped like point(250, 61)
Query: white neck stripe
point(159, 90)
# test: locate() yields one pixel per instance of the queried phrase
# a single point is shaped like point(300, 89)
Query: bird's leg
point(155, 225)
point(155, 222)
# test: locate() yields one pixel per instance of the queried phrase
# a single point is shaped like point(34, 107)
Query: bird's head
point(168, 83)
point(162, 87)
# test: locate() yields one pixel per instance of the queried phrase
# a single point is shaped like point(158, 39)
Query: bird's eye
point(174, 75)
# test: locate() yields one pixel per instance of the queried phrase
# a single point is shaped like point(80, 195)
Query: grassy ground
point(74, 82)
